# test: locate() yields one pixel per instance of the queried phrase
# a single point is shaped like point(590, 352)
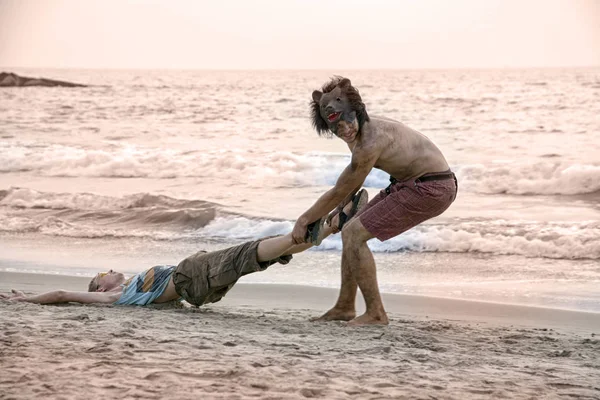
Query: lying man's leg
point(273, 248)
point(204, 278)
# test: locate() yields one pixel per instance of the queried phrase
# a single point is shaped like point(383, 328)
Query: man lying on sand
point(199, 279)
point(421, 187)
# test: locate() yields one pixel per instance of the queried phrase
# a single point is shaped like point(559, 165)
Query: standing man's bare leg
point(360, 260)
point(345, 307)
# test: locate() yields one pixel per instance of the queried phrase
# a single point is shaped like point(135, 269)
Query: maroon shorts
point(403, 205)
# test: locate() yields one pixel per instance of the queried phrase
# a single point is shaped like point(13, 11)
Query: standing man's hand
point(299, 231)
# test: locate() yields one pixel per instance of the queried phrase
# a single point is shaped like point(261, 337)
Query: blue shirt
point(147, 286)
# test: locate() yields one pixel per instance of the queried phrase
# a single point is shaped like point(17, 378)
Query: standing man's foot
point(367, 319)
point(336, 314)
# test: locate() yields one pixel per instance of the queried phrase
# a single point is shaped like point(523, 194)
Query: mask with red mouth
point(338, 109)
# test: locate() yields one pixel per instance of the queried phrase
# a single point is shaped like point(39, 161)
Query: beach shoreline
point(318, 299)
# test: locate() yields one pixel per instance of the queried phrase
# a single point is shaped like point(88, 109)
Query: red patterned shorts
point(403, 205)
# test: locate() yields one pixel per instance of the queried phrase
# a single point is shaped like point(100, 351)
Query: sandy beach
point(134, 134)
point(258, 343)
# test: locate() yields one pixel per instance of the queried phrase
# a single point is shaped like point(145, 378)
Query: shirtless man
point(201, 278)
point(421, 187)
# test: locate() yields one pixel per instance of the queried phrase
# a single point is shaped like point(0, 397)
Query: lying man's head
point(338, 108)
point(105, 281)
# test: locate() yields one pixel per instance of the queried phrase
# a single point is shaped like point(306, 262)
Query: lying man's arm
point(352, 177)
point(63, 296)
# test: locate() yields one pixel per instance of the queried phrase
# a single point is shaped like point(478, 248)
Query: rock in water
point(8, 79)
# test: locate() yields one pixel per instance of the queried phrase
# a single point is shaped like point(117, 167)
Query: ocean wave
point(67, 161)
point(285, 169)
point(525, 238)
point(165, 218)
point(28, 198)
point(529, 239)
point(55, 226)
point(90, 215)
point(126, 161)
point(243, 228)
point(542, 178)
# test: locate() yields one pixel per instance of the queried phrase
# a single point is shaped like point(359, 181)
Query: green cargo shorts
point(205, 278)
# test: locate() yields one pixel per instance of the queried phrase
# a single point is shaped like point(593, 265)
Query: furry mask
point(337, 107)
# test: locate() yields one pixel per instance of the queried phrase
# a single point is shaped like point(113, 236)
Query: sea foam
point(284, 168)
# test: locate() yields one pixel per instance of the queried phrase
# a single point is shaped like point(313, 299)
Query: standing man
point(421, 187)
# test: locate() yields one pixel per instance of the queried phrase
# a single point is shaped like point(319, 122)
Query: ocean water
point(147, 167)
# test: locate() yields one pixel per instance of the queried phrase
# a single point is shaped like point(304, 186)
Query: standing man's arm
point(350, 180)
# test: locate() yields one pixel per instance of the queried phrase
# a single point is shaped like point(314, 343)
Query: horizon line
point(303, 69)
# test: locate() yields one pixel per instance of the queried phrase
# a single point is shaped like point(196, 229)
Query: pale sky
point(299, 34)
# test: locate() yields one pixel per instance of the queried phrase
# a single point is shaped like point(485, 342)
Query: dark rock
point(8, 79)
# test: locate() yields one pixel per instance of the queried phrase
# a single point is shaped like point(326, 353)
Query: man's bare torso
point(403, 152)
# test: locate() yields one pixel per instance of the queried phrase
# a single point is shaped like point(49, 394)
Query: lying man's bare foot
point(336, 315)
point(337, 220)
point(367, 319)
